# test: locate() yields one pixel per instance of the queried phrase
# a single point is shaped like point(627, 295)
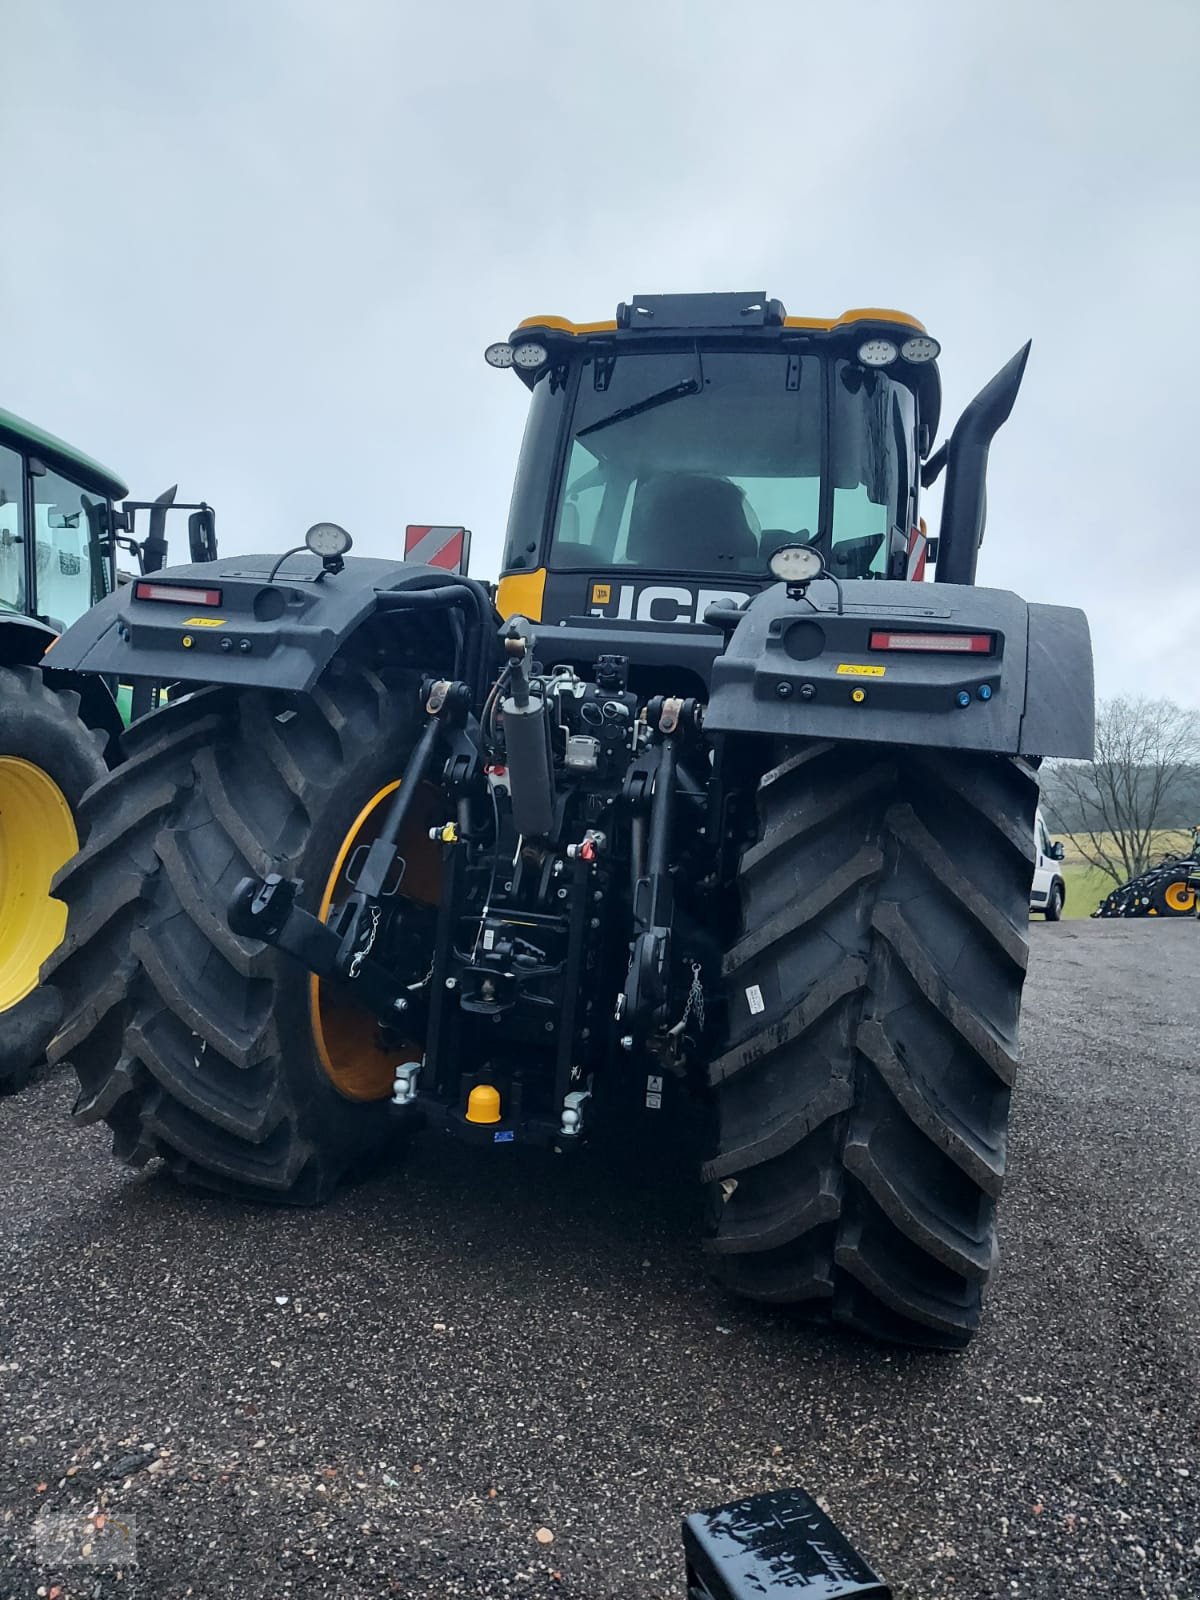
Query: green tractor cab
point(64, 519)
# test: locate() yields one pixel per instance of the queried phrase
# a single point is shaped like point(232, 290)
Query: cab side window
point(12, 544)
point(70, 574)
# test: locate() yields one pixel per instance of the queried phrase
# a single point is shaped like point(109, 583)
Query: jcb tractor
point(60, 529)
point(713, 804)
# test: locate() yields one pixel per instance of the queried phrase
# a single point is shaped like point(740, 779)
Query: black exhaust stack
point(964, 505)
point(154, 546)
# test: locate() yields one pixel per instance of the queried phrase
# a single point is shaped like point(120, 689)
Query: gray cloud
point(259, 248)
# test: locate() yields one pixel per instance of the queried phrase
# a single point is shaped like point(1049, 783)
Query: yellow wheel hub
point(37, 836)
point(345, 1035)
point(1180, 896)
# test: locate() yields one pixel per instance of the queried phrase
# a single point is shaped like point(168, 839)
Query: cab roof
point(661, 312)
point(27, 437)
point(751, 312)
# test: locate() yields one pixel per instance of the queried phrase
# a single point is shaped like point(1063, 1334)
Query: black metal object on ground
point(767, 1544)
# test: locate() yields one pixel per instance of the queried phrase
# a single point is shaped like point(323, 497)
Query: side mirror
point(202, 534)
point(1057, 850)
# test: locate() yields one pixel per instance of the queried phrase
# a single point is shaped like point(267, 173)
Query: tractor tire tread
point(175, 1025)
point(862, 1104)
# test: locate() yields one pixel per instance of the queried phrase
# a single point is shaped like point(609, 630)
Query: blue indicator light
point(962, 698)
point(985, 691)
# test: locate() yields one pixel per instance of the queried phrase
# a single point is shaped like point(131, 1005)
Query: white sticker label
point(653, 1084)
point(654, 1102)
point(754, 1000)
point(489, 938)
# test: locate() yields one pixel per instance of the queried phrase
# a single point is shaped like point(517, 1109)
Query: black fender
point(253, 626)
point(808, 668)
point(24, 642)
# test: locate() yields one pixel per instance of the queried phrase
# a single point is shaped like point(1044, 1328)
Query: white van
point(1049, 893)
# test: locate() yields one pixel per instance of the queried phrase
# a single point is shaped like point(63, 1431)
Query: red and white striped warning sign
point(448, 548)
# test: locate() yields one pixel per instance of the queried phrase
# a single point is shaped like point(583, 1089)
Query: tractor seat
point(688, 522)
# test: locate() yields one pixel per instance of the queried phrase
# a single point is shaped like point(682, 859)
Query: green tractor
point(63, 518)
point(710, 807)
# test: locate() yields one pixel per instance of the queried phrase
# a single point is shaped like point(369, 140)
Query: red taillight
point(954, 644)
point(180, 593)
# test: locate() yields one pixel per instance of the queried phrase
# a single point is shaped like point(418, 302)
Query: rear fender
point(23, 640)
point(797, 670)
point(276, 633)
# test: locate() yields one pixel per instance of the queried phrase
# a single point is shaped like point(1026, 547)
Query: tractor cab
point(64, 519)
point(56, 506)
point(671, 452)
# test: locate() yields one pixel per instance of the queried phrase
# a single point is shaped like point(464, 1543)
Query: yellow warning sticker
point(853, 670)
point(601, 594)
point(205, 622)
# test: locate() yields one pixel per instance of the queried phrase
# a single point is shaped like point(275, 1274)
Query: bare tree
point(1146, 750)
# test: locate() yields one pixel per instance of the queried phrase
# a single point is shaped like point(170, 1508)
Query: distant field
point(1087, 886)
point(1167, 842)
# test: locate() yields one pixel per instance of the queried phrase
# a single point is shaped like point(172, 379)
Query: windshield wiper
point(662, 398)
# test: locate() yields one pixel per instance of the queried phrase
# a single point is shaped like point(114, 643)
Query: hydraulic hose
point(428, 592)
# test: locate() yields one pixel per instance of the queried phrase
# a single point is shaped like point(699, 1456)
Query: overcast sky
point(258, 247)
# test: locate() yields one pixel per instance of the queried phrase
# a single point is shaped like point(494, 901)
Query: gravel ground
point(398, 1394)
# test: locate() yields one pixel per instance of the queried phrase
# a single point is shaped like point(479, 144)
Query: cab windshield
point(706, 461)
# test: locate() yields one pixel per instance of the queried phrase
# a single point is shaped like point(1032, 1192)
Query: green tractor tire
point(49, 758)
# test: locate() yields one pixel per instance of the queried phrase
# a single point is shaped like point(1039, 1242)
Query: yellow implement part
point(37, 836)
point(1180, 896)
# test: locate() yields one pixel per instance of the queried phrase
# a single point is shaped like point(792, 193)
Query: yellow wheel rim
point(37, 836)
point(346, 1036)
point(1180, 896)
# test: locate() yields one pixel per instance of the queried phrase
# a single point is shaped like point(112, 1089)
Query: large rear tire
point(191, 1043)
point(874, 995)
point(49, 758)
